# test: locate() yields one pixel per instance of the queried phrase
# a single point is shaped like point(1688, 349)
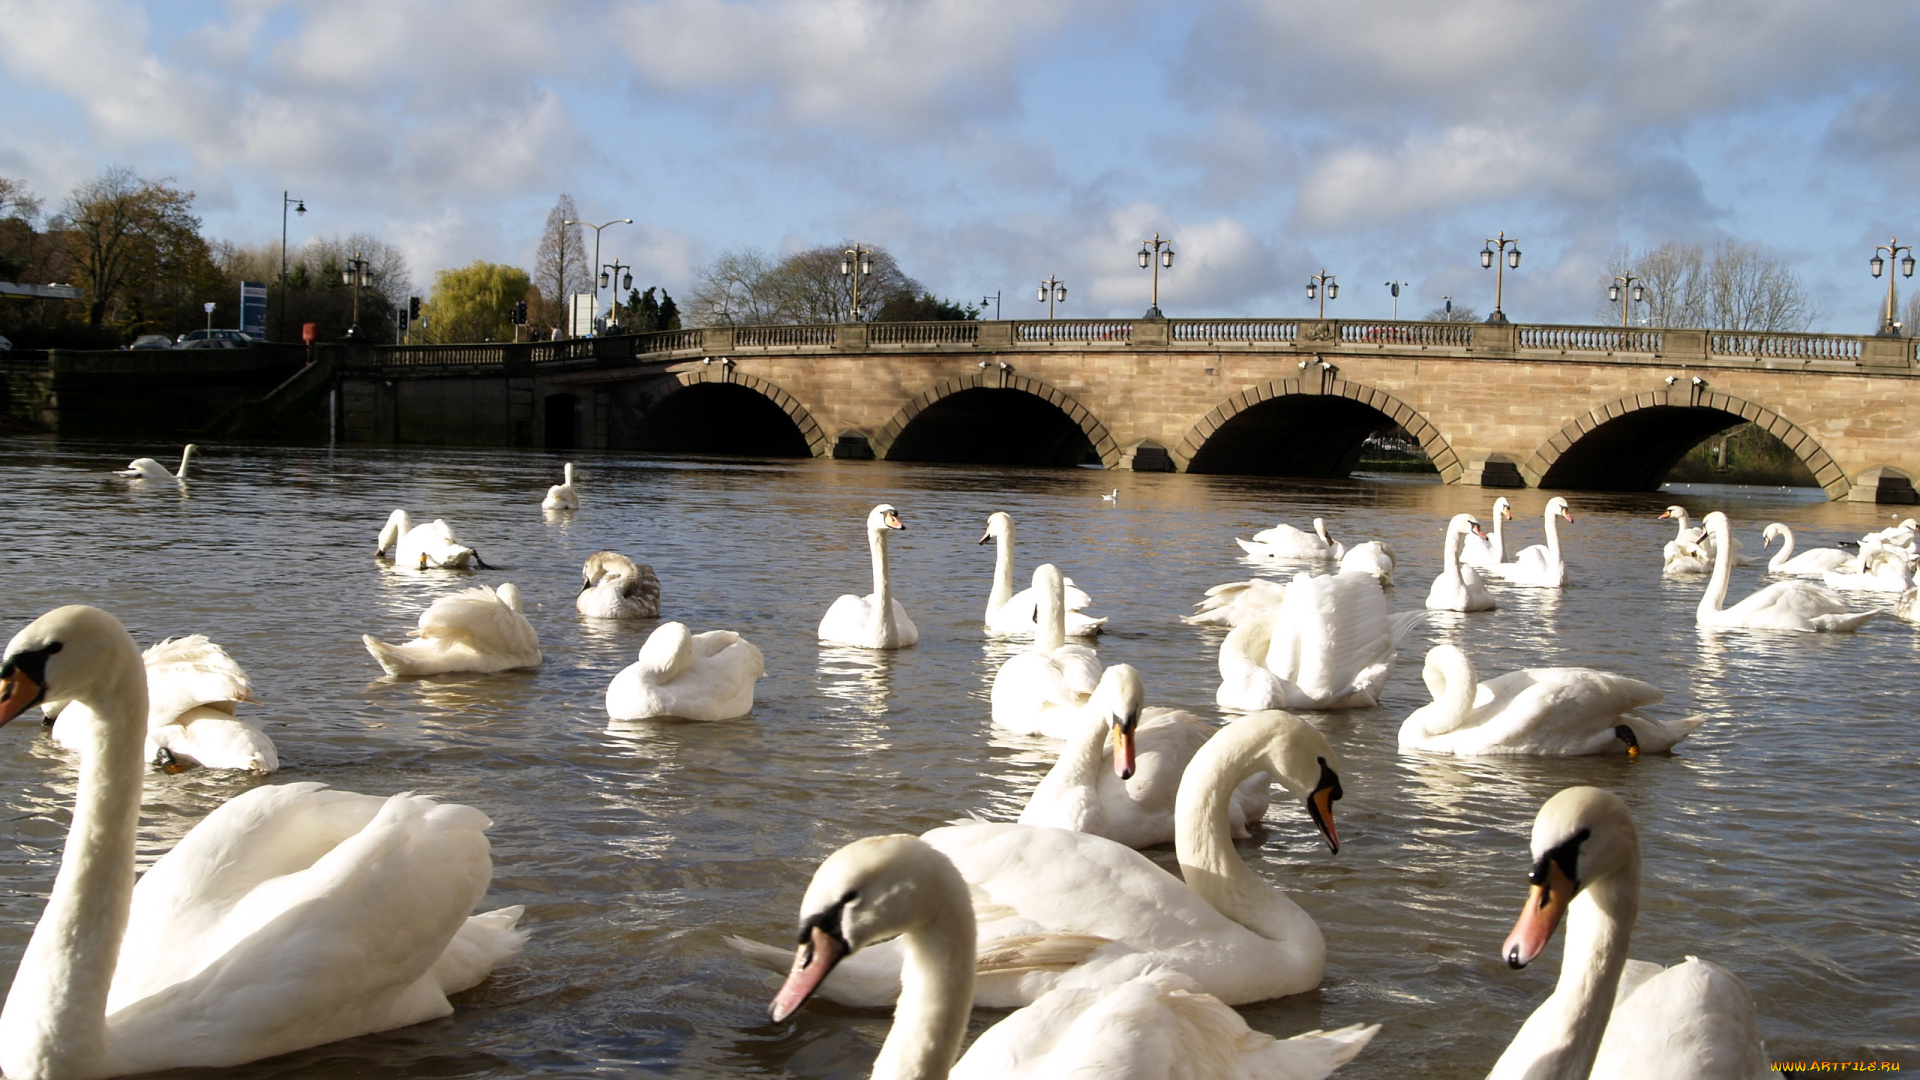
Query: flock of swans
point(296, 915)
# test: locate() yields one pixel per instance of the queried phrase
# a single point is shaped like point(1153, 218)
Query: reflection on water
point(1780, 838)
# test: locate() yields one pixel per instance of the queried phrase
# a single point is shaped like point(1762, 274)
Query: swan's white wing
point(186, 672)
point(1693, 1019)
point(1238, 601)
point(1345, 640)
point(1079, 669)
point(216, 740)
point(478, 618)
point(1554, 710)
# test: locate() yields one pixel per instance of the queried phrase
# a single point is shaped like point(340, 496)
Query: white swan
point(424, 547)
point(1907, 606)
point(1540, 565)
point(1906, 535)
point(477, 629)
point(1050, 901)
point(1482, 549)
point(1685, 557)
point(1330, 645)
point(289, 917)
point(876, 620)
point(1158, 1026)
point(1458, 588)
point(1609, 1016)
point(148, 469)
point(1015, 614)
point(1793, 604)
point(1111, 497)
point(1811, 563)
point(1130, 802)
point(561, 496)
point(1545, 711)
point(1372, 557)
point(613, 586)
point(1040, 689)
point(1283, 541)
point(1881, 569)
point(691, 676)
point(193, 691)
point(1688, 532)
point(1238, 602)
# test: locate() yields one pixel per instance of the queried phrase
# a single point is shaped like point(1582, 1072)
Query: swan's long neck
point(1075, 776)
point(882, 581)
point(1002, 573)
point(1450, 558)
point(1553, 534)
point(936, 992)
point(1562, 1037)
point(1716, 593)
point(568, 473)
point(1453, 697)
point(185, 456)
point(55, 1019)
point(1686, 526)
point(1786, 548)
point(1050, 624)
point(1203, 842)
point(1498, 542)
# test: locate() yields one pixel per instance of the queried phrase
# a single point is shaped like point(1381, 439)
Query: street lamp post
point(596, 258)
point(209, 306)
point(299, 207)
point(356, 274)
point(1323, 287)
point(1052, 291)
point(1394, 287)
point(856, 263)
point(1635, 292)
point(1494, 249)
point(1893, 248)
point(1156, 253)
point(996, 304)
point(613, 315)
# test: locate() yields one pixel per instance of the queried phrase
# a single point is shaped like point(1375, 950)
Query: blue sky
point(990, 143)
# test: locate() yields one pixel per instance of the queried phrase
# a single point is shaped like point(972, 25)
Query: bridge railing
point(747, 337)
point(1232, 331)
point(1057, 330)
point(1590, 339)
point(1744, 344)
point(1446, 335)
point(952, 332)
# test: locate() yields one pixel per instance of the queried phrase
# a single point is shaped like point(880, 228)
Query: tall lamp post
point(1156, 253)
point(1488, 256)
point(1323, 287)
point(1893, 248)
point(1635, 291)
point(613, 316)
point(596, 257)
point(357, 275)
point(1052, 291)
point(299, 207)
point(996, 304)
point(1394, 287)
point(856, 263)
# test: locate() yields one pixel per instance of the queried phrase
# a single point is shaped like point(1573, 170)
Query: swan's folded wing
point(1694, 1012)
point(1079, 669)
point(478, 617)
point(183, 673)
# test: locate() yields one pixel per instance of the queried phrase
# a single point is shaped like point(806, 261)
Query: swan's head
point(70, 653)
point(1445, 663)
point(667, 650)
point(605, 564)
point(1293, 752)
point(1117, 701)
point(1580, 836)
point(1503, 508)
point(1678, 512)
point(1320, 530)
point(1717, 526)
point(882, 518)
point(1771, 533)
point(999, 526)
point(873, 889)
point(1558, 505)
point(1465, 523)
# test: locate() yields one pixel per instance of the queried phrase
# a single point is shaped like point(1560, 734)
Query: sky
point(988, 144)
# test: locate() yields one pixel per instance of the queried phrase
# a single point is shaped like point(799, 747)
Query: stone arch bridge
point(1504, 406)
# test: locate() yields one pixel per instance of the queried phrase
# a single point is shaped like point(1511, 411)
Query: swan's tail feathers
point(1400, 624)
point(1842, 623)
point(1253, 547)
point(1038, 952)
point(483, 942)
point(392, 658)
point(1310, 1055)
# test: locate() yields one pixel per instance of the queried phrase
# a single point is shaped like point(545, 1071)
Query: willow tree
point(473, 303)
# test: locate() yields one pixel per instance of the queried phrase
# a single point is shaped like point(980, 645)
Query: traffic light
point(519, 315)
point(413, 309)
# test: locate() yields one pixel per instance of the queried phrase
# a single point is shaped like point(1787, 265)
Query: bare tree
point(1733, 286)
point(1910, 320)
point(325, 259)
point(560, 266)
point(1453, 313)
point(18, 238)
point(123, 233)
point(812, 288)
point(732, 290)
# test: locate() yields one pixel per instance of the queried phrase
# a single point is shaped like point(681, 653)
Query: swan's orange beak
point(18, 693)
point(1320, 805)
point(1546, 902)
point(1664, 516)
point(812, 963)
point(893, 522)
point(1123, 750)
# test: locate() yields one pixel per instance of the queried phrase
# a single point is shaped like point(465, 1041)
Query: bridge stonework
point(1498, 406)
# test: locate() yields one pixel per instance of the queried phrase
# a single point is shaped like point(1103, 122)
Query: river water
point(1780, 839)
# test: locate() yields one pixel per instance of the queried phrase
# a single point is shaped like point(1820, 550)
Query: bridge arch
point(1631, 443)
point(717, 409)
point(1027, 408)
point(1335, 414)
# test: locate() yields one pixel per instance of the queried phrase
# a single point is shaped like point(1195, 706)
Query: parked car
point(152, 341)
point(215, 339)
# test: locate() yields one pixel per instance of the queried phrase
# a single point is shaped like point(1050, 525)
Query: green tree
point(18, 208)
point(925, 307)
point(669, 311)
point(472, 303)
